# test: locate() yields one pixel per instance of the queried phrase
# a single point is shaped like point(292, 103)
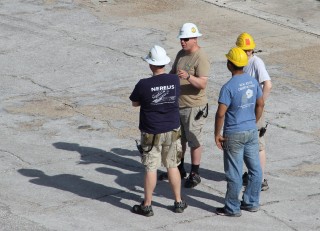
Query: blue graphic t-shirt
point(239, 94)
point(159, 107)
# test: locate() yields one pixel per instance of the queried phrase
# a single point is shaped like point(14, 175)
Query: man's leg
point(233, 164)
point(263, 161)
point(196, 155)
point(150, 181)
point(184, 115)
point(195, 134)
point(251, 194)
point(145, 208)
point(181, 168)
point(262, 153)
point(175, 182)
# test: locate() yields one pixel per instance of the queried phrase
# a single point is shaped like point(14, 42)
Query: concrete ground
point(67, 150)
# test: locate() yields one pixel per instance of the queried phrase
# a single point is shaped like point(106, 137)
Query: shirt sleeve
point(135, 96)
point(225, 96)
point(261, 71)
point(203, 67)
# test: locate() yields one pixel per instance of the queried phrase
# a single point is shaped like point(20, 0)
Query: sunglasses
point(185, 39)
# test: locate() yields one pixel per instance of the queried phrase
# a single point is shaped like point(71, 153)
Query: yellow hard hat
point(238, 57)
point(245, 41)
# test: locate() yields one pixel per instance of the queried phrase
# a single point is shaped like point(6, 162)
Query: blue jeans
point(239, 147)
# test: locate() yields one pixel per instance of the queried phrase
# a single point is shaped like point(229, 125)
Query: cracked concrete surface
point(67, 150)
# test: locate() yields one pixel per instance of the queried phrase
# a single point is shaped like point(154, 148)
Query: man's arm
point(267, 86)
point(219, 120)
point(135, 104)
point(259, 108)
point(198, 82)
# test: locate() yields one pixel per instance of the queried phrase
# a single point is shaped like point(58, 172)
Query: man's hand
point(182, 74)
point(218, 123)
point(219, 141)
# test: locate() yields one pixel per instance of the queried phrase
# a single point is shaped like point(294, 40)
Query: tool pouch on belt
point(149, 139)
point(203, 112)
point(176, 134)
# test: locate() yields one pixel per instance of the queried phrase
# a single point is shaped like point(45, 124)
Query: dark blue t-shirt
point(158, 97)
point(239, 94)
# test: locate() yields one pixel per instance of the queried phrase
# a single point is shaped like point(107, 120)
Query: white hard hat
point(189, 30)
point(157, 56)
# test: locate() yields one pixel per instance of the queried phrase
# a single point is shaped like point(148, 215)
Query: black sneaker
point(223, 212)
point(249, 209)
point(179, 207)
point(245, 179)
point(143, 210)
point(192, 181)
point(264, 185)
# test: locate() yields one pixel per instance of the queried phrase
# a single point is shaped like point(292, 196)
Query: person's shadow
point(75, 184)
point(116, 158)
point(163, 189)
point(89, 155)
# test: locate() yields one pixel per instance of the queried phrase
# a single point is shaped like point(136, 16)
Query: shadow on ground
point(117, 162)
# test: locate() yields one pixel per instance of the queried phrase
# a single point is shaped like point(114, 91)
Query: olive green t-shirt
point(196, 64)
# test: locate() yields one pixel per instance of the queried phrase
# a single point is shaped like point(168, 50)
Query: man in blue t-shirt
point(240, 106)
point(159, 124)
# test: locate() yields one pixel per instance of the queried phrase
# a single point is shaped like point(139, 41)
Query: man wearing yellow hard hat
point(256, 68)
point(240, 106)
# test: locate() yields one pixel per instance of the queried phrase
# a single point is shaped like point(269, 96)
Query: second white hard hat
point(157, 56)
point(189, 30)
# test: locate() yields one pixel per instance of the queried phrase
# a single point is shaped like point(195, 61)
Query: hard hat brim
point(193, 36)
point(238, 64)
point(155, 63)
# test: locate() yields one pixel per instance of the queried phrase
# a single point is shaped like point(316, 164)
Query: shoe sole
point(253, 209)
point(180, 210)
point(141, 213)
point(228, 214)
point(192, 185)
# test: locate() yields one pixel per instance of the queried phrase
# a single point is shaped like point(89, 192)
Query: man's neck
point(193, 49)
point(158, 72)
point(237, 72)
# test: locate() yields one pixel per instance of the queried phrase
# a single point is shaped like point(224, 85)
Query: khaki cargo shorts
point(262, 141)
point(191, 129)
point(166, 150)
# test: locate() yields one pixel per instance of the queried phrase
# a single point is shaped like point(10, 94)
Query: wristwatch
point(188, 77)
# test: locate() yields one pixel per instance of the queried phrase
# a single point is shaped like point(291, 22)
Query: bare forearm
point(267, 86)
point(219, 120)
point(259, 111)
point(198, 82)
point(259, 108)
